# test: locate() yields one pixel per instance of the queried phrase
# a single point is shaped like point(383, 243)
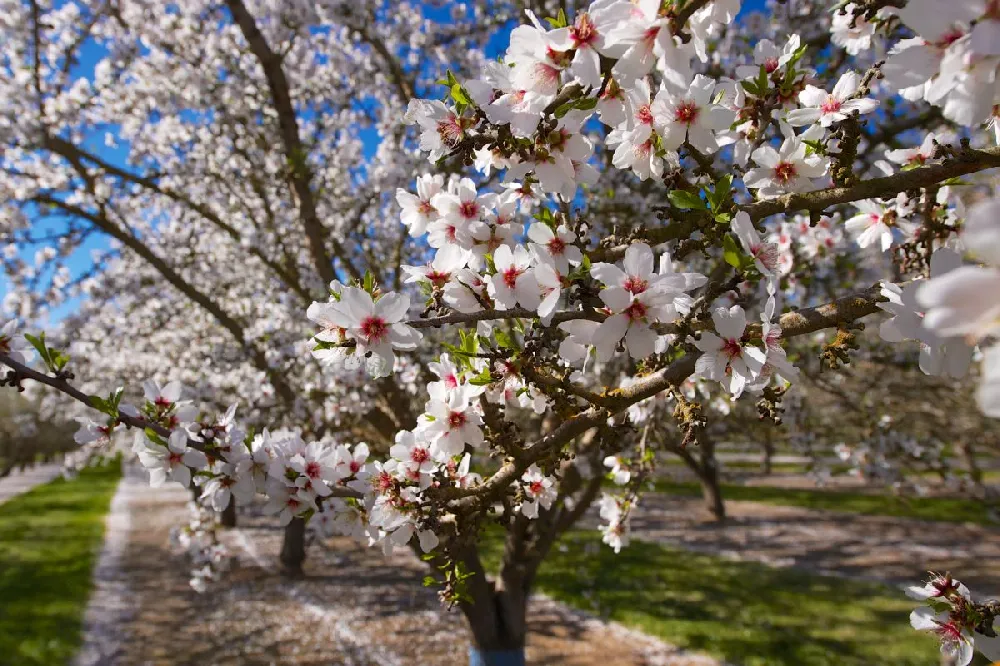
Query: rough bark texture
point(293, 548)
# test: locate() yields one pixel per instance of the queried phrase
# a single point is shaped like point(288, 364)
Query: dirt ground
point(887, 549)
point(354, 607)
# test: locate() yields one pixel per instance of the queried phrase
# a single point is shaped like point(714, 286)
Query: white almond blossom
point(726, 357)
point(14, 344)
point(826, 108)
point(787, 169)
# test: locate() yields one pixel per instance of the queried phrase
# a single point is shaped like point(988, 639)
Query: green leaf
point(38, 343)
point(585, 265)
point(369, 282)
point(458, 94)
point(731, 252)
point(557, 22)
point(586, 103)
point(503, 339)
point(723, 218)
point(484, 378)
point(684, 199)
point(154, 437)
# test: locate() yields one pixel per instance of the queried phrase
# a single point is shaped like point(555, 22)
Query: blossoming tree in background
point(637, 210)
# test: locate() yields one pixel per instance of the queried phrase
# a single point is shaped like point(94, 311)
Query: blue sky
point(91, 54)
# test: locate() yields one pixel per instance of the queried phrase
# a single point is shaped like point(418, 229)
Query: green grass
point(957, 510)
point(742, 612)
point(49, 539)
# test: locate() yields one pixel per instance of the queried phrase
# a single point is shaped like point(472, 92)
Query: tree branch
point(964, 162)
point(294, 149)
point(24, 372)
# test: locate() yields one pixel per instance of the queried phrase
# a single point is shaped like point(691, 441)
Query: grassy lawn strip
point(742, 612)
point(924, 508)
point(49, 539)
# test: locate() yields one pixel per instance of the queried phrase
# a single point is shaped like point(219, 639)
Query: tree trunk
point(765, 462)
point(706, 468)
point(708, 475)
point(498, 620)
point(293, 547)
point(228, 516)
point(496, 613)
point(968, 453)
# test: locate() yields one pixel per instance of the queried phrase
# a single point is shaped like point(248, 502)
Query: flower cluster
point(952, 61)
point(198, 539)
point(956, 307)
point(962, 626)
point(362, 326)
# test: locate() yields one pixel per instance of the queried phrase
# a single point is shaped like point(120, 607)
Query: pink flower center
point(686, 113)
point(162, 402)
point(785, 172)
point(535, 487)
point(949, 632)
point(650, 36)
point(451, 382)
point(175, 458)
point(425, 208)
point(456, 419)
point(770, 65)
point(831, 105)
point(437, 278)
point(644, 115)
point(636, 311)
point(469, 210)
point(510, 276)
point(949, 38)
point(374, 329)
point(583, 32)
point(420, 455)
point(450, 131)
point(557, 246)
point(355, 467)
point(635, 285)
point(766, 253)
point(313, 470)
point(732, 348)
point(383, 482)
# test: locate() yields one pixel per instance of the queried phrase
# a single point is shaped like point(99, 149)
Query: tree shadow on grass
point(743, 612)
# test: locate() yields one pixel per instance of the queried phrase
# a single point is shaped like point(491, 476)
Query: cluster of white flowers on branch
point(656, 217)
point(962, 625)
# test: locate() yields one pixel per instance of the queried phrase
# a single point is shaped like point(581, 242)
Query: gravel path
point(18, 481)
point(354, 607)
point(886, 549)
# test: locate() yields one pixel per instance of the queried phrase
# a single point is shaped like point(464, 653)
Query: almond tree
point(624, 200)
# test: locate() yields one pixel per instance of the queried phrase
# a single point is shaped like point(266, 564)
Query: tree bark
point(497, 615)
point(293, 547)
point(706, 468)
point(709, 478)
point(767, 457)
point(968, 452)
point(228, 516)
